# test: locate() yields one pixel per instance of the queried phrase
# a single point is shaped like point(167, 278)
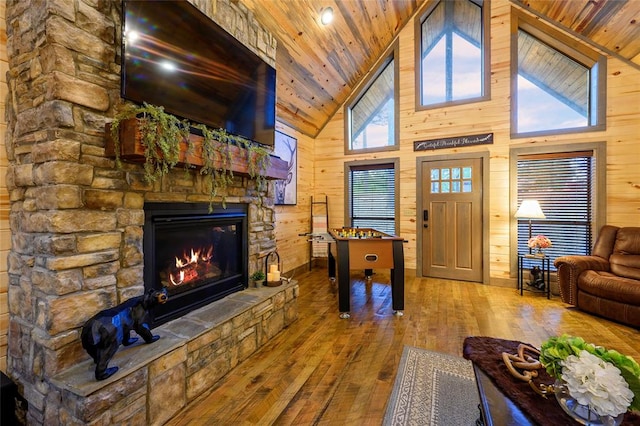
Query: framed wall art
point(286, 147)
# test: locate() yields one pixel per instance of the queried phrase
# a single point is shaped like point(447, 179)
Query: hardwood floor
point(330, 371)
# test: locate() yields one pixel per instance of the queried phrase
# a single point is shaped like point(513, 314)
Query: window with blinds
point(373, 197)
point(563, 185)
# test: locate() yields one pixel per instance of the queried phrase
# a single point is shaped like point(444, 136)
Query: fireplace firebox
point(199, 255)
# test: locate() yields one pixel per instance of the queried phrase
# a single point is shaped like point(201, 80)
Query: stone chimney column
point(76, 220)
point(63, 261)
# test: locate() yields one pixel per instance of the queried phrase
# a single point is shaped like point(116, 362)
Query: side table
point(528, 261)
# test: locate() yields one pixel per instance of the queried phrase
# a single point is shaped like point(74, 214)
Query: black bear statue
point(103, 333)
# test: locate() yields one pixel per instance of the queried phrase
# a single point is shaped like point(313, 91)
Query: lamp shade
point(530, 209)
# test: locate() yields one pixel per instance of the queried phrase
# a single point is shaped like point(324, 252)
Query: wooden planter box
point(132, 150)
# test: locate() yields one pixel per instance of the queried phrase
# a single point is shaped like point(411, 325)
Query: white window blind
point(563, 185)
point(373, 198)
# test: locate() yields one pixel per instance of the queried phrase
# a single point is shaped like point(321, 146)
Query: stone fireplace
point(79, 231)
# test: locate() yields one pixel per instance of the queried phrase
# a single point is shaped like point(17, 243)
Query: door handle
point(425, 218)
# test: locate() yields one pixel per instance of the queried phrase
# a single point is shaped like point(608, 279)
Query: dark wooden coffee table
point(495, 408)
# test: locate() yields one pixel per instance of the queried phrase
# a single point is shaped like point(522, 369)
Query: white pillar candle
point(273, 276)
point(273, 268)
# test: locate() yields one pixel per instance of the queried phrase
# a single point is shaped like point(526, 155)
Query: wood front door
point(452, 219)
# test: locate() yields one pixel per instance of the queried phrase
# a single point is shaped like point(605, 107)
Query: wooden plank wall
point(327, 158)
point(294, 220)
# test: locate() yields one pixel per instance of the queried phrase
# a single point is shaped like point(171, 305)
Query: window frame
point(392, 54)
point(569, 47)
point(395, 161)
point(485, 54)
point(599, 186)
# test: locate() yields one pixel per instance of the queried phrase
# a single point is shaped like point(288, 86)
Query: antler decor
point(525, 367)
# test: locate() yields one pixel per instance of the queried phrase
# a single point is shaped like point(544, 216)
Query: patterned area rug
point(432, 388)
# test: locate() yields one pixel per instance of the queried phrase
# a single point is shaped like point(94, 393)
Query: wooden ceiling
point(319, 66)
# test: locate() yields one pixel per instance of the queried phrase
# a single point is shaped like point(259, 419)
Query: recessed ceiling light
point(326, 16)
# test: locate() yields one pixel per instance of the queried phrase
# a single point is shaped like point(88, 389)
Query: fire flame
point(187, 265)
point(180, 280)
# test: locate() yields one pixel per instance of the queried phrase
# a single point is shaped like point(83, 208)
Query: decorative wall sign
point(286, 147)
point(485, 138)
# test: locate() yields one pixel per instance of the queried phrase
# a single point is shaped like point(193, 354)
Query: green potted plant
point(162, 135)
point(258, 278)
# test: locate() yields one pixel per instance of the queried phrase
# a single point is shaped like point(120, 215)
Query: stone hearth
point(77, 224)
point(193, 353)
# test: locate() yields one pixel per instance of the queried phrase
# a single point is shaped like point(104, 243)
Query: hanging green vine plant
point(162, 135)
point(258, 162)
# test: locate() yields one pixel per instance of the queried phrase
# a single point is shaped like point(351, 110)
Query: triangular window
point(371, 115)
point(452, 53)
point(559, 88)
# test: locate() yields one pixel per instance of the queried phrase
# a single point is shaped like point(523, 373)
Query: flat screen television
point(176, 57)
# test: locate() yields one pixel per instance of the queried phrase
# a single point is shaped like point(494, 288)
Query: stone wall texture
point(76, 220)
point(4, 200)
point(193, 353)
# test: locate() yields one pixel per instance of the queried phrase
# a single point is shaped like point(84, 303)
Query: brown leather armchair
point(607, 283)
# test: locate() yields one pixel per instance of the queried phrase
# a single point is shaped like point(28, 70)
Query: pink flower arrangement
point(539, 241)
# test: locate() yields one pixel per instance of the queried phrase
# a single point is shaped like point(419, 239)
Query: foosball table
point(368, 249)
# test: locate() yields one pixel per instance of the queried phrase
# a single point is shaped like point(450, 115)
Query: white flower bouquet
point(604, 380)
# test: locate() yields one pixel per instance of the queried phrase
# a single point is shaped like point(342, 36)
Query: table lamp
point(530, 209)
